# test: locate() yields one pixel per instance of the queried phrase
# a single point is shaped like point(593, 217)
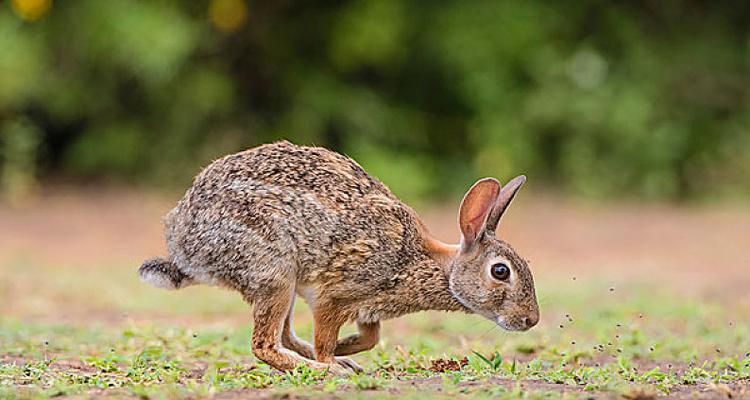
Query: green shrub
point(603, 100)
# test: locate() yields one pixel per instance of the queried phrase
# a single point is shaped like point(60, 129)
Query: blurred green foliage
point(637, 99)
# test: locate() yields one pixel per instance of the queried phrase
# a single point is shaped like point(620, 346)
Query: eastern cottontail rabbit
point(281, 219)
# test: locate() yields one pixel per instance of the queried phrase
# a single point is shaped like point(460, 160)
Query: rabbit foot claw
point(349, 364)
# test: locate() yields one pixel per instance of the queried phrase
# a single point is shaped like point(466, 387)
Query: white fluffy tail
point(163, 274)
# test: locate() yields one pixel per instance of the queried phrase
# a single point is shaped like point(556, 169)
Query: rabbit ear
point(507, 193)
point(475, 207)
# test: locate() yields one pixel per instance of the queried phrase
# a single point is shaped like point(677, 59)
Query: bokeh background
point(630, 119)
point(639, 99)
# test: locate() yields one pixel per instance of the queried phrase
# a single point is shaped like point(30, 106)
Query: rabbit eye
point(500, 271)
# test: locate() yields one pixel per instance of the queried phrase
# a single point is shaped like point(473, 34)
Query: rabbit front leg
point(290, 340)
point(268, 319)
point(367, 338)
point(327, 325)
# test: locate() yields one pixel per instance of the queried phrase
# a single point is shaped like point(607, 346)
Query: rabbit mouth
point(503, 323)
point(508, 326)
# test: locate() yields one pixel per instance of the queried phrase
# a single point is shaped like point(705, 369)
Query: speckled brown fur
point(281, 219)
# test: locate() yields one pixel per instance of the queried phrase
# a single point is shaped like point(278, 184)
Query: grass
point(128, 340)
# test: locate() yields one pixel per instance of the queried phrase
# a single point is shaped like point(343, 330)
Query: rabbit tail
point(163, 274)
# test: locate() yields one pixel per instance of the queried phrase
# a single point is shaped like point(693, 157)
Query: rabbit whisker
point(487, 332)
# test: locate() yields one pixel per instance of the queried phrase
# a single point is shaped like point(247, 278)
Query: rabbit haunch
point(280, 218)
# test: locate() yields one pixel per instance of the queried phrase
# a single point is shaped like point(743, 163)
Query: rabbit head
point(487, 275)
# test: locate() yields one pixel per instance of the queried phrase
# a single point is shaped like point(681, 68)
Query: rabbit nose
point(529, 322)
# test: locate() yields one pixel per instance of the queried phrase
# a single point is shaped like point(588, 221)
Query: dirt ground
point(695, 251)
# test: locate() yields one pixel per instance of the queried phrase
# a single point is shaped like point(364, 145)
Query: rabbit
point(281, 220)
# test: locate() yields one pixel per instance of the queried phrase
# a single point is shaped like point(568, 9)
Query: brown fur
point(282, 219)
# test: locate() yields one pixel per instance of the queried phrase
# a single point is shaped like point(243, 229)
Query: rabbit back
point(284, 212)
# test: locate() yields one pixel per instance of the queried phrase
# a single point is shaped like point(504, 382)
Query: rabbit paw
point(349, 363)
point(337, 370)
